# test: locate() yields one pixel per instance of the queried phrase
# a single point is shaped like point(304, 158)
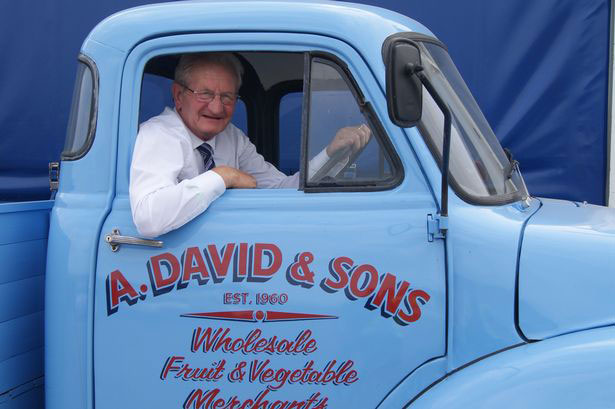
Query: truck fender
point(576, 370)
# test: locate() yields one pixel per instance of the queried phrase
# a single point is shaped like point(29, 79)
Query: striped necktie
point(208, 156)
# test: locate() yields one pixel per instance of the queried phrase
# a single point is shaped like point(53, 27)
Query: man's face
point(205, 119)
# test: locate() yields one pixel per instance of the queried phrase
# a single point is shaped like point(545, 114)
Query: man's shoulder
point(234, 133)
point(167, 123)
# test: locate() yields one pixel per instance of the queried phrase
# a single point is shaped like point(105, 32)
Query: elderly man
point(186, 157)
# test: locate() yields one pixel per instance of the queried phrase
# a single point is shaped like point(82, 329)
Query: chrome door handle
point(115, 239)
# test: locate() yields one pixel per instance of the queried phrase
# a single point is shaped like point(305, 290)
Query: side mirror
point(404, 90)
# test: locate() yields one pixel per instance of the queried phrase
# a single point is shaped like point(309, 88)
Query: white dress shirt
point(168, 185)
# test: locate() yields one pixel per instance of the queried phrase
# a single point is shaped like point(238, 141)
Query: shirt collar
point(195, 141)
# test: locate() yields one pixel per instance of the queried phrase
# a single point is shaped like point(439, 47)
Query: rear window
point(82, 119)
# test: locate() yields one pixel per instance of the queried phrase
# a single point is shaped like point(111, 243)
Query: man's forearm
point(169, 207)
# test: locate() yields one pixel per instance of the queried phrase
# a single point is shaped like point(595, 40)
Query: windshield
point(479, 168)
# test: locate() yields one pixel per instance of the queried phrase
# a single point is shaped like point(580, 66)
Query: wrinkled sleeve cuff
point(318, 162)
point(210, 184)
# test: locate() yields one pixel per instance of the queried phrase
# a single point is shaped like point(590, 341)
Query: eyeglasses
point(227, 98)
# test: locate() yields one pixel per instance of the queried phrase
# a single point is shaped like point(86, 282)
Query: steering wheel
point(334, 160)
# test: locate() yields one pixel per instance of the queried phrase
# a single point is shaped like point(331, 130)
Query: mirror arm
point(417, 70)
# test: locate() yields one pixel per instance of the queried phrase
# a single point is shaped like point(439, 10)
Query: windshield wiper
point(509, 170)
point(513, 165)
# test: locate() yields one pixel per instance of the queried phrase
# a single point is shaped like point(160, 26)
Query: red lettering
point(322, 404)
point(194, 264)
point(253, 337)
point(337, 269)
point(211, 341)
point(296, 375)
point(260, 371)
point(328, 373)
point(218, 404)
point(119, 289)
point(259, 403)
point(412, 306)
point(220, 265)
point(241, 262)
point(267, 376)
point(299, 272)
point(394, 298)
point(200, 337)
point(369, 286)
point(160, 283)
point(198, 400)
point(312, 399)
point(263, 273)
point(199, 374)
point(343, 374)
point(257, 368)
point(236, 345)
point(168, 366)
point(312, 377)
point(260, 345)
point(305, 337)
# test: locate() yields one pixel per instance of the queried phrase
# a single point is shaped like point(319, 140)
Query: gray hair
point(188, 61)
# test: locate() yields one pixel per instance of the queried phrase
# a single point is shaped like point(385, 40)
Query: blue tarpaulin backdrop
point(538, 69)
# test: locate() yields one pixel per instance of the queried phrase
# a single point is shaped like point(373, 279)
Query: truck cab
point(382, 285)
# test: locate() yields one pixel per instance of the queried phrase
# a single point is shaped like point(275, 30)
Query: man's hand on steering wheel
point(353, 137)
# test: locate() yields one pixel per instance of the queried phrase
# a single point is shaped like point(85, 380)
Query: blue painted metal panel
point(23, 260)
point(24, 221)
point(483, 244)
point(25, 206)
point(414, 383)
point(21, 335)
point(23, 248)
point(571, 371)
point(567, 269)
point(82, 201)
point(68, 342)
point(482, 251)
point(392, 239)
point(361, 25)
point(23, 297)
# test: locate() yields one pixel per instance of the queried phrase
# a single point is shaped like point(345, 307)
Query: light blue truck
point(421, 275)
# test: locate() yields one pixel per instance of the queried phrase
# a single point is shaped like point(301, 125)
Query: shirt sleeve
point(268, 176)
point(158, 200)
point(319, 161)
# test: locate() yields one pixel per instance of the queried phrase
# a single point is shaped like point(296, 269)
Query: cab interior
point(291, 101)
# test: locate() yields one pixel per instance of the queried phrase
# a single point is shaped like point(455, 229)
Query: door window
point(334, 104)
point(286, 104)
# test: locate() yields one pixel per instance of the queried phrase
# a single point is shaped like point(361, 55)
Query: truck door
point(328, 295)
